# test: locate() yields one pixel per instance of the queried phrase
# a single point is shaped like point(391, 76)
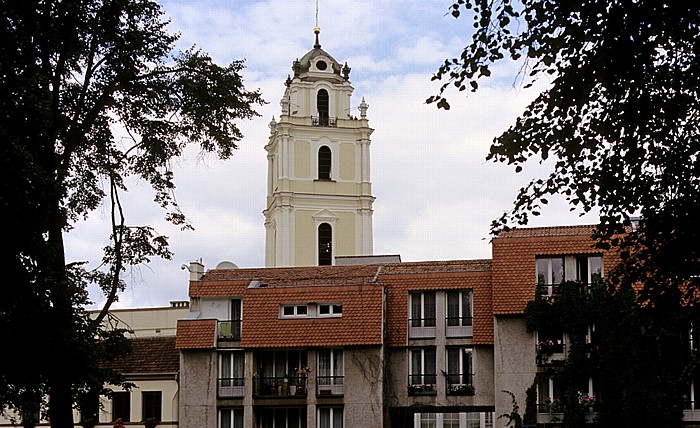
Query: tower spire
point(317, 29)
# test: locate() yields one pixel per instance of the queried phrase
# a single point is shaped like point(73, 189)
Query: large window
point(550, 270)
point(231, 374)
point(324, 163)
point(330, 371)
point(453, 420)
point(459, 313)
point(232, 329)
point(231, 418)
point(589, 269)
point(549, 395)
point(325, 244)
point(151, 405)
point(423, 309)
point(293, 417)
point(330, 417)
point(121, 406)
point(459, 371)
point(422, 376)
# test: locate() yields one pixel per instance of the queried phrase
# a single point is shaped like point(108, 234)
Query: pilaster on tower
point(319, 198)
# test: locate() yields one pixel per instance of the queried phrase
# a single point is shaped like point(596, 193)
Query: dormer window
point(321, 65)
point(330, 309)
point(290, 311)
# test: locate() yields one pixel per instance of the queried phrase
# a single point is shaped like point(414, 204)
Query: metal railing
point(330, 385)
point(294, 386)
point(230, 330)
point(459, 384)
point(421, 327)
point(458, 326)
point(324, 121)
point(231, 387)
point(422, 384)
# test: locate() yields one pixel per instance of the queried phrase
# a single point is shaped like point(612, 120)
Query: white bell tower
point(319, 194)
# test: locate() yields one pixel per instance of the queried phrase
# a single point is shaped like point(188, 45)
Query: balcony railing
point(550, 351)
point(421, 328)
point(458, 326)
point(279, 386)
point(230, 330)
point(330, 385)
point(460, 384)
point(231, 387)
point(422, 384)
point(324, 121)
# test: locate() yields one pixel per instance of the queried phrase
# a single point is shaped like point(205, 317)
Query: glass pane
point(557, 270)
point(450, 420)
point(324, 418)
point(238, 418)
point(453, 365)
point(338, 362)
point(429, 368)
point(225, 365)
point(467, 307)
point(473, 420)
point(542, 270)
point(429, 309)
point(453, 308)
point(416, 314)
point(428, 420)
point(236, 309)
point(466, 366)
point(596, 269)
point(301, 310)
point(238, 365)
point(337, 417)
point(416, 366)
point(225, 415)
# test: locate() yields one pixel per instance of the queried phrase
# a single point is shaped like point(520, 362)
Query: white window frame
point(335, 385)
point(331, 417)
point(295, 309)
point(588, 280)
point(231, 416)
point(334, 310)
point(420, 329)
point(462, 354)
point(226, 363)
point(485, 419)
point(461, 329)
point(423, 372)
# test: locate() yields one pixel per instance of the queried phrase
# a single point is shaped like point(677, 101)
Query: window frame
point(335, 309)
point(324, 158)
point(465, 366)
point(152, 407)
point(121, 400)
point(295, 310)
point(332, 422)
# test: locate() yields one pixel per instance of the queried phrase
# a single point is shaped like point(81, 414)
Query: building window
point(231, 374)
point(428, 420)
point(325, 244)
point(89, 403)
point(550, 345)
point(589, 269)
point(152, 405)
point(291, 311)
point(549, 396)
point(454, 420)
point(459, 371)
point(330, 309)
point(330, 417)
point(459, 313)
point(322, 106)
point(324, 163)
point(231, 418)
point(281, 373)
point(422, 315)
point(550, 273)
point(293, 417)
point(330, 377)
point(422, 376)
point(231, 329)
point(121, 406)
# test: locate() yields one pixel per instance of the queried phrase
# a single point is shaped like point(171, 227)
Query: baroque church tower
point(319, 195)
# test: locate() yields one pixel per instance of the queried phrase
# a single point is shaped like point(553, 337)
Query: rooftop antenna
point(317, 29)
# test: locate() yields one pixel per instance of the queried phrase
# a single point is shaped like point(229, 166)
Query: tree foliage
point(620, 118)
point(619, 124)
point(91, 96)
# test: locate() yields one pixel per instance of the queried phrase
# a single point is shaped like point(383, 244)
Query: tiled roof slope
point(360, 324)
point(196, 334)
point(149, 355)
point(399, 285)
point(513, 264)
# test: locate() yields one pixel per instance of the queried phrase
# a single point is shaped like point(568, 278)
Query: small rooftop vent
point(226, 265)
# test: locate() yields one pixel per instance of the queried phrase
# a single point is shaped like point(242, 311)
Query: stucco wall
point(198, 378)
point(363, 398)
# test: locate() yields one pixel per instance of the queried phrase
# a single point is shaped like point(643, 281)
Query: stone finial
point(285, 104)
point(272, 125)
point(363, 108)
point(346, 71)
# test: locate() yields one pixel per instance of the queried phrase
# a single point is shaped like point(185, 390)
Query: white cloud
point(436, 194)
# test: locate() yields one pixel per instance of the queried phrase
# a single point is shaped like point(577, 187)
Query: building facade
point(319, 193)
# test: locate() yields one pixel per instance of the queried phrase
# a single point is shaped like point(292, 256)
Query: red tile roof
point(196, 334)
point(360, 323)
point(513, 264)
point(149, 355)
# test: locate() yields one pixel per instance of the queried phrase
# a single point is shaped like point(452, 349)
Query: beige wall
point(302, 159)
point(347, 161)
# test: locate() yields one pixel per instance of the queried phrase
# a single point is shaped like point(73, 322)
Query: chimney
point(196, 270)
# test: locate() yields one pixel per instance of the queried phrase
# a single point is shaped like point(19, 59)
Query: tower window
point(322, 106)
point(325, 244)
point(324, 163)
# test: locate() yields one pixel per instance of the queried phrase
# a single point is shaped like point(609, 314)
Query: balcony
point(330, 385)
point(231, 387)
point(550, 352)
point(422, 384)
point(280, 386)
point(460, 384)
point(421, 328)
point(458, 327)
point(229, 330)
point(323, 120)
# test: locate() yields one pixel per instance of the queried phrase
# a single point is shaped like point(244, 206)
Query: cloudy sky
point(436, 194)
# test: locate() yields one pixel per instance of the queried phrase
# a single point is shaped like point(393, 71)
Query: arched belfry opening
point(324, 163)
point(325, 244)
point(322, 107)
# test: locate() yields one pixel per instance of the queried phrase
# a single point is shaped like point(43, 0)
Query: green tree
point(91, 94)
point(619, 125)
